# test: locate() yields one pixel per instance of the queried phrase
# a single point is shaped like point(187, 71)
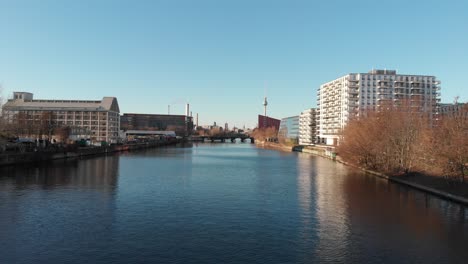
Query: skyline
point(221, 57)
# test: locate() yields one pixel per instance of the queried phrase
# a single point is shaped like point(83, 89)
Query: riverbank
point(9, 159)
point(323, 151)
point(273, 145)
point(457, 192)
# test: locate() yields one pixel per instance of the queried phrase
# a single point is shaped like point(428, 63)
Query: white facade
point(307, 127)
point(100, 119)
point(354, 94)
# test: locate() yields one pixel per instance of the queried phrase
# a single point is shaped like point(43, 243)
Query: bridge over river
point(224, 138)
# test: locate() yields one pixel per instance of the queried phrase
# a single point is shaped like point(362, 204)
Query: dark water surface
point(220, 203)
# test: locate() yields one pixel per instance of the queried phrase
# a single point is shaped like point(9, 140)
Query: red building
point(265, 122)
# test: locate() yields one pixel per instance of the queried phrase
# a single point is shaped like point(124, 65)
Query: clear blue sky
point(220, 55)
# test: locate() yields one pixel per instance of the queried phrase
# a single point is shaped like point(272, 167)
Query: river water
point(220, 203)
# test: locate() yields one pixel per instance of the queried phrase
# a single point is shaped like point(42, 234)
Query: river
point(220, 203)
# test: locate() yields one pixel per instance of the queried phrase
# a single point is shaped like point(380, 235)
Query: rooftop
point(106, 104)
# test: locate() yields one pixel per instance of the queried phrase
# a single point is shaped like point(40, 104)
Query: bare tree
point(46, 125)
point(450, 144)
point(262, 134)
point(385, 140)
point(216, 131)
point(283, 135)
point(62, 133)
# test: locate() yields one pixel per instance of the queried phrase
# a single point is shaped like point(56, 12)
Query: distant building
point(289, 129)
point(266, 122)
point(182, 125)
point(353, 95)
point(453, 109)
point(307, 127)
point(37, 118)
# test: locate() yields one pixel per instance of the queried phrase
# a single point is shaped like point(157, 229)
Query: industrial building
point(37, 118)
point(353, 95)
point(182, 125)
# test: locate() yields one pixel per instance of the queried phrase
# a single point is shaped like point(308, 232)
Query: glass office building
point(289, 129)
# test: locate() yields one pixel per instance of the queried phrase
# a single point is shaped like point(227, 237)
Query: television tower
point(265, 103)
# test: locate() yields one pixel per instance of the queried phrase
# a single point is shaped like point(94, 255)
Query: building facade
point(289, 129)
point(182, 125)
point(353, 95)
point(454, 109)
point(39, 118)
point(307, 127)
point(266, 122)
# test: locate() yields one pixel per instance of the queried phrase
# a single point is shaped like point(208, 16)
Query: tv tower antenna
point(265, 102)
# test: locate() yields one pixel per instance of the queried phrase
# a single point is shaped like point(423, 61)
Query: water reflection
point(332, 211)
point(54, 206)
point(220, 203)
point(93, 172)
point(306, 196)
point(404, 217)
point(306, 175)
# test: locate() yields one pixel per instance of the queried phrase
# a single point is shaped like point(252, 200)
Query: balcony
point(384, 86)
point(396, 99)
point(416, 87)
point(383, 91)
point(353, 91)
point(383, 98)
point(401, 87)
point(400, 91)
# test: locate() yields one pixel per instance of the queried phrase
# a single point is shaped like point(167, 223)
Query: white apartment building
point(100, 119)
point(307, 127)
point(354, 94)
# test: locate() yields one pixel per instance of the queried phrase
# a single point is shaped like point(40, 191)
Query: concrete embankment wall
point(273, 145)
point(330, 154)
point(326, 152)
point(427, 189)
point(31, 157)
